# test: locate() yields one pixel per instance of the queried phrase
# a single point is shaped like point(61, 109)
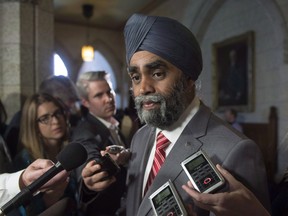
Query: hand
point(237, 201)
point(37, 169)
point(52, 195)
point(93, 177)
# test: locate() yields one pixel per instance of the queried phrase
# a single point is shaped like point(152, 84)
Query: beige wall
point(25, 49)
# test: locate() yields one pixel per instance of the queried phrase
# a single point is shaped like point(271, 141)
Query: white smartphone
point(166, 201)
point(203, 174)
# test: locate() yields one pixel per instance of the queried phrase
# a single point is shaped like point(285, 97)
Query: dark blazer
point(95, 136)
point(225, 146)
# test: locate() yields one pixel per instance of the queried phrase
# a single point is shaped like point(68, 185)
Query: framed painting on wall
point(233, 73)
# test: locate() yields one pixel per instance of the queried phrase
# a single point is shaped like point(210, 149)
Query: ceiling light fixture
point(87, 50)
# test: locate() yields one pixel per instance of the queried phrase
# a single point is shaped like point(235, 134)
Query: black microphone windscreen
point(72, 156)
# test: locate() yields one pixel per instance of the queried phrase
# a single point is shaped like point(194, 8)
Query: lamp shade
point(87, 53)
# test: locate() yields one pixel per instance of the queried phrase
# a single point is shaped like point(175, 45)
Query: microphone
point(71, 157)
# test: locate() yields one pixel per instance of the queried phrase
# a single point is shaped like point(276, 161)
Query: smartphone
point(115, 149)
point(108, 165)
point(203, 174)
point(166, 201)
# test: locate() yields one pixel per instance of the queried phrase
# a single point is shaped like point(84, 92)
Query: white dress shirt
point(9, 186)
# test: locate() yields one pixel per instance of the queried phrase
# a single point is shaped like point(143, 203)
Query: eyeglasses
point(47, 118)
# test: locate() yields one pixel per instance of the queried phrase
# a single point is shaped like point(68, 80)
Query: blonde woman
point(43, 134)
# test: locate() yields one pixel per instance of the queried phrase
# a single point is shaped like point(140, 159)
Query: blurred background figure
point(233, 90)
point(44, 133)
point(3, 118)
point(5, 157)
point(63, 88)
point(11, 135)
point(230, 116)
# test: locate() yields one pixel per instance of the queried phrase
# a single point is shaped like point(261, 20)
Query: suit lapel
point(138, 164)
point(99, 128)
point(187, 144)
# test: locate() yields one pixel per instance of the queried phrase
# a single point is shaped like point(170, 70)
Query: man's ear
point(190, 84)
point(85, 103)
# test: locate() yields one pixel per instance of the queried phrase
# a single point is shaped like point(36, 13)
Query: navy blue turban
point(166, 38)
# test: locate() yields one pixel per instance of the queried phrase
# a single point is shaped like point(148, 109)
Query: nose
point(146, 86)
point(54, 119)
point(109, 97)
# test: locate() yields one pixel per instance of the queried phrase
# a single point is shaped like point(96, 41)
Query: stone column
point(26, 49)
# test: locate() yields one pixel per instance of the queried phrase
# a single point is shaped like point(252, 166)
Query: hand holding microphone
point(37, 169)
point(69, 158)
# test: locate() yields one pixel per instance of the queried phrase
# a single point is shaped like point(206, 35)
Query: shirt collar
point(112, 123)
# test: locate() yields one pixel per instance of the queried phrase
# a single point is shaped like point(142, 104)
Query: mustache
point(156, 98)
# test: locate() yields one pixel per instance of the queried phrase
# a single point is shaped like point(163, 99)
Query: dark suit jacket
point(95, 136)
point(225, 146)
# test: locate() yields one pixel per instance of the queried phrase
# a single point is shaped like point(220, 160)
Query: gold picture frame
point(233, 73)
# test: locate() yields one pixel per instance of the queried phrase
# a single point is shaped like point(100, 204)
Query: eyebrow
point(99, 94)
point(47, 114)
point(152, 65)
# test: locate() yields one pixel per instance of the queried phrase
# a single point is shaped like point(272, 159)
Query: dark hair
point(60, 87)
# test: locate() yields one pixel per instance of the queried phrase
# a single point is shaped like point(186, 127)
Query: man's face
point(159, 89)
point(101, 99)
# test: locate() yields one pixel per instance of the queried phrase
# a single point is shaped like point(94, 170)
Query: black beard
point(171, 107)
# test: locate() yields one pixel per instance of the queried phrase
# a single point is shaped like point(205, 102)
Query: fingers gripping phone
point(202, 173)
point(108, 165)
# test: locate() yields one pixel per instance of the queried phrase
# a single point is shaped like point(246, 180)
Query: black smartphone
point(108, 165)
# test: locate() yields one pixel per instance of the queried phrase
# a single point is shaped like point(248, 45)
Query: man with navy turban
point(164, 60)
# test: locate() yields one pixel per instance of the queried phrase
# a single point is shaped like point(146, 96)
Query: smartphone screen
point(202, 173)
point(166, 201)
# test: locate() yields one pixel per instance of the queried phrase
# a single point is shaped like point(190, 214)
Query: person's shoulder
point(83, 130)
point(220, 130)
point(87, 122)
point(89, 130)
point(237, 126)
point(144, 131)
point(22, 160)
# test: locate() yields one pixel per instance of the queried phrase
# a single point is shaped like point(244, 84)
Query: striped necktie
point(161, 144)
